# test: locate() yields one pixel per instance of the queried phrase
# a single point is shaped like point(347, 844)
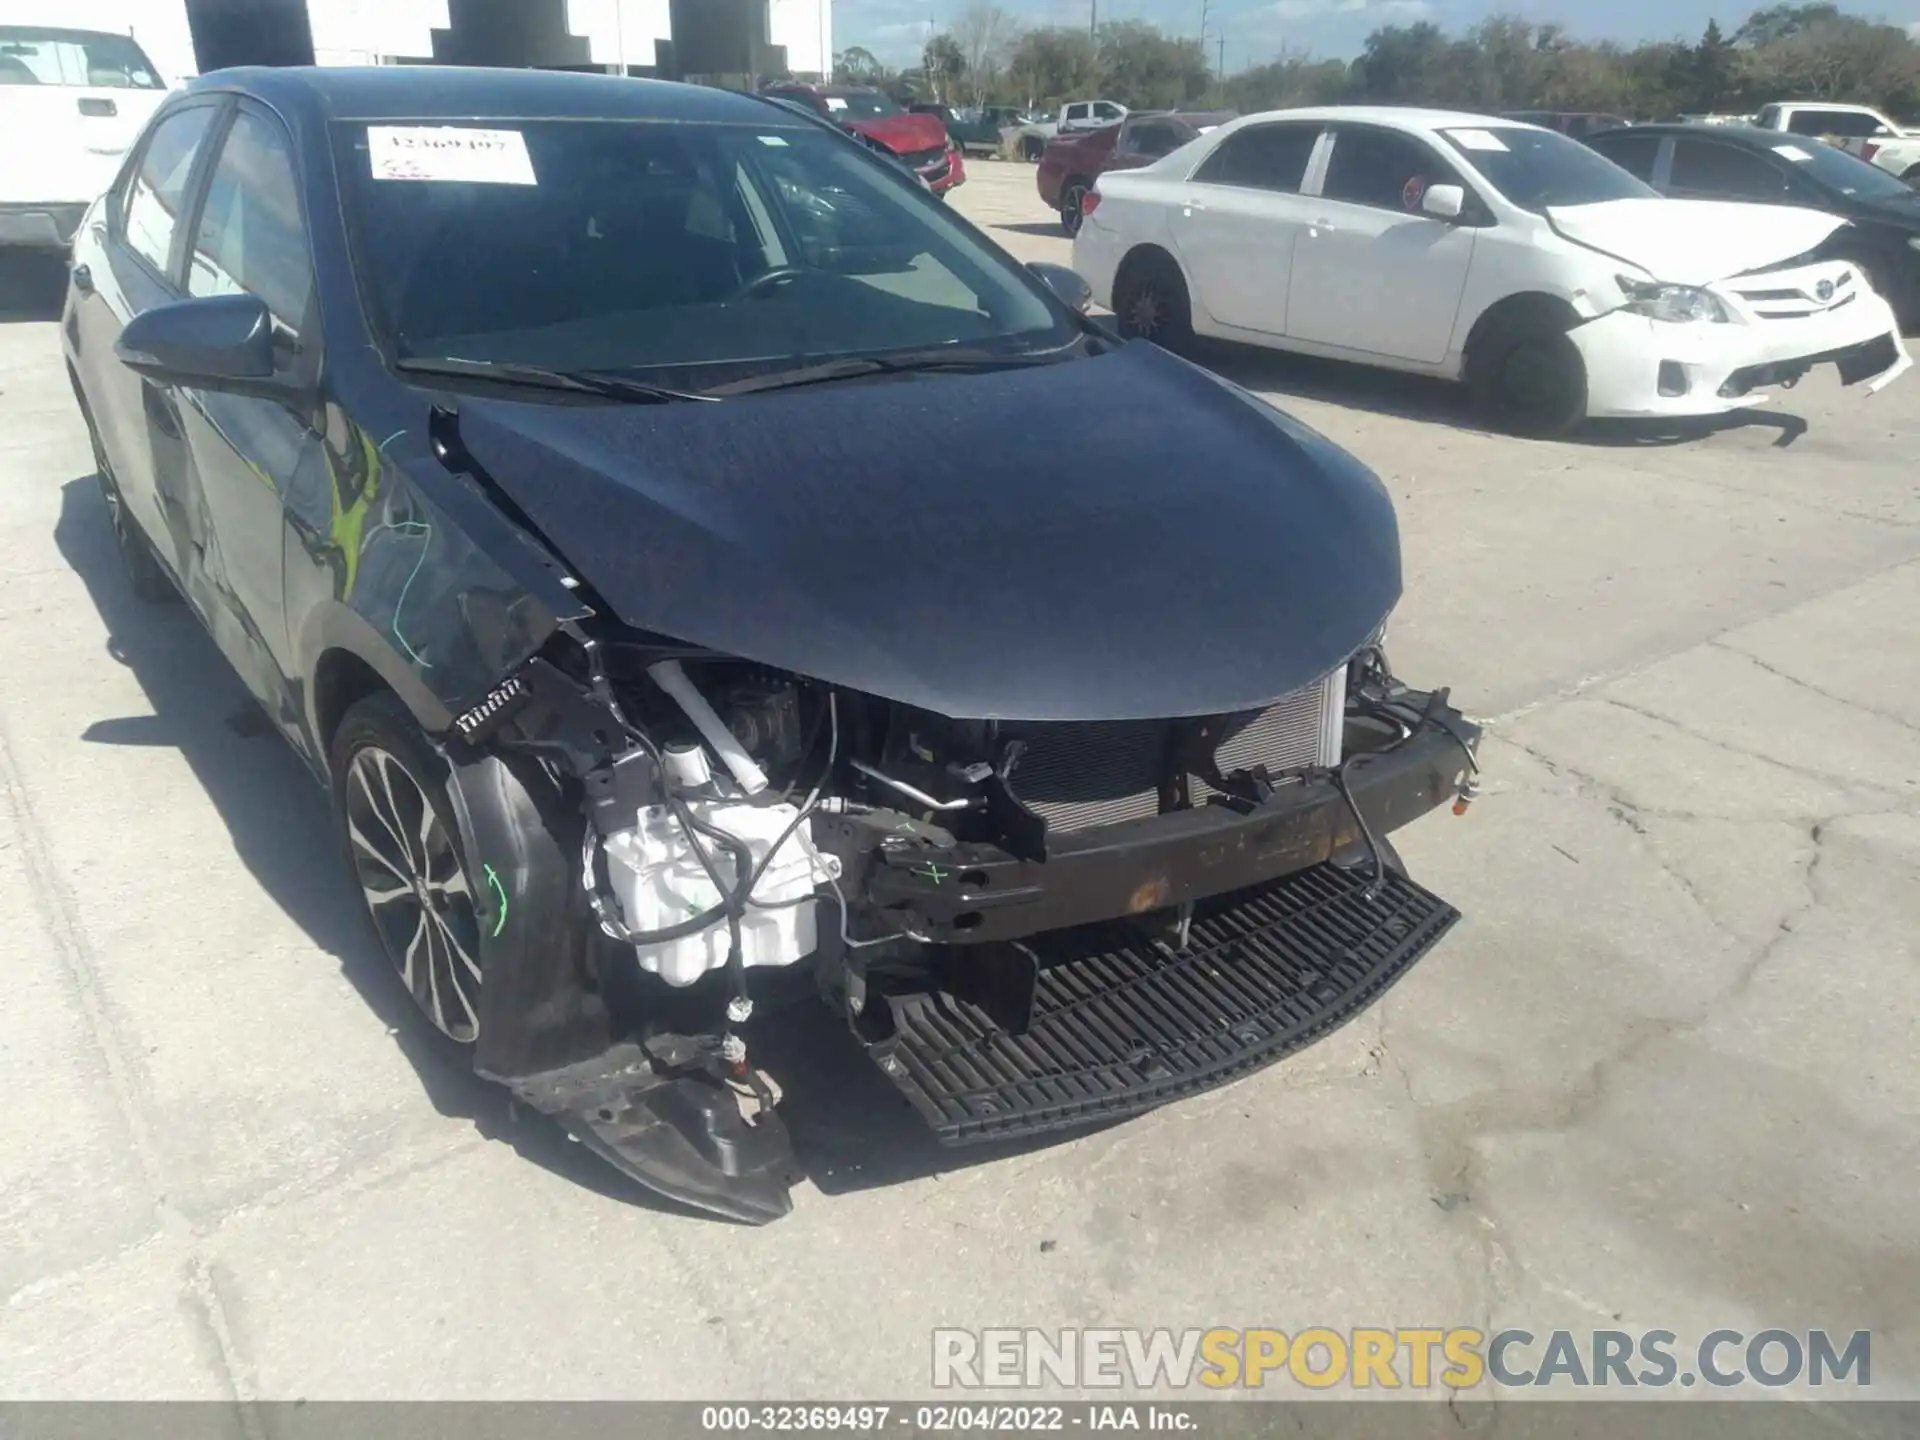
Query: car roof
point(813, 88)
point(1820, 105)
point(458, 92)
point(1400, 117)
point(1751, 136)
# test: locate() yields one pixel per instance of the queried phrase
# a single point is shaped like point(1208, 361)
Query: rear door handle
point(83, 279)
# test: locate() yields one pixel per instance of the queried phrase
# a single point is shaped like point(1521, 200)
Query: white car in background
point(71, 102)
point(1547, 278)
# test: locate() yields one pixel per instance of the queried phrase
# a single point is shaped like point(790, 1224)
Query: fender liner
point(548, 1031)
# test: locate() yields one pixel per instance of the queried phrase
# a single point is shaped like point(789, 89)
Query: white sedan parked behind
point(1511, 257)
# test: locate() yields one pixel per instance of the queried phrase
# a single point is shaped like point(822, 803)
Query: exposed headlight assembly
point(1677, 304)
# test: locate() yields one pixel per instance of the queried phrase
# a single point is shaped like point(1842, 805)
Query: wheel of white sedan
point(1529, 376)
point(404, 850)
point(1151, 303)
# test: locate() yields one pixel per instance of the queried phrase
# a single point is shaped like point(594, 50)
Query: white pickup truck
point(1858, 128)
point(71, 102)
point(1029, 141)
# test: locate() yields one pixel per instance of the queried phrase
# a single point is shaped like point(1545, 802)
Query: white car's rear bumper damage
point(1781, 325)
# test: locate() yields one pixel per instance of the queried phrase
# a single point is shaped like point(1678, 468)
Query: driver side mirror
point(219, 342)
point(1066, 284)
point(1444, 202)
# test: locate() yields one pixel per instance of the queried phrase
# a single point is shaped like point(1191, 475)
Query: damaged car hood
point(1693, 242)
point(1123, 537)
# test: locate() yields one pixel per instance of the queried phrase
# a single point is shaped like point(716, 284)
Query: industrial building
point(721, 41)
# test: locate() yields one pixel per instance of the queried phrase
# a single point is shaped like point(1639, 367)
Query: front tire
point(1151, 303)
point(403, 849)
point(1528, 377)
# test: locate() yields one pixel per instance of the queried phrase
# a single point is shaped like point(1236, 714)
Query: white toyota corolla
point(1547, 278)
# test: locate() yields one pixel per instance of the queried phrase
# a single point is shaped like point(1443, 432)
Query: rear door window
point(1633, 153)
point(1849, 124)
point(1723, 172)
point(150, 207)
point(1262, 157)
point(1154, 138)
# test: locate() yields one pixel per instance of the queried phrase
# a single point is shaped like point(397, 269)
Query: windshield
point(1538, 168)
point(30, 56)
point(1837, 170)
point(859, 105)
point(694, 255)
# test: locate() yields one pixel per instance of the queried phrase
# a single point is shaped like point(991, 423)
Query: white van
point(71, 102)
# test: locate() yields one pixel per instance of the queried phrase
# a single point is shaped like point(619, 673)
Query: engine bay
point(967, 895)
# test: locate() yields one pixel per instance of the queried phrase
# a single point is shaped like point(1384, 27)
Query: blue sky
point(1256, 29)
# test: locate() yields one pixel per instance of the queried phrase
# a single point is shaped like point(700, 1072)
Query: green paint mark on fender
point(500, 894)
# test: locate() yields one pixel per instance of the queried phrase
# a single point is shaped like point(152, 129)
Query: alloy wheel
point(1147, 312)
point(415, 889)
point(1070, 203)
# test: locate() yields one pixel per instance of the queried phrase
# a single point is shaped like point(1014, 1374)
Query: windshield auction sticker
point(449, 153)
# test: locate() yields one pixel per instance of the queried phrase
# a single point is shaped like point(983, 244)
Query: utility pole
point(1223, 55)
point(1093, 20)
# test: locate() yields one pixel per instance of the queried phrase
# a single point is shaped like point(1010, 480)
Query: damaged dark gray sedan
point(706, 570)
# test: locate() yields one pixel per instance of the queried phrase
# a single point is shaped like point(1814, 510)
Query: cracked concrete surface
point(1660, 1077)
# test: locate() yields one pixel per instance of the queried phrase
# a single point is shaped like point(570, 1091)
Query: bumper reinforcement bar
point(1122, 1022)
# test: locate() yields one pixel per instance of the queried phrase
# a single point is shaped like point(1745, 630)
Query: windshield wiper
point(907, 362)
point(583, 382)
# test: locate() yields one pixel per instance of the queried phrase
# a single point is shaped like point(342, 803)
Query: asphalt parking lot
point(1661, 1076)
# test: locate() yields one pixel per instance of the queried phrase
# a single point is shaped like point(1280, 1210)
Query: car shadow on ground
point(1444, 402)
point(282, 828)
point(1032, 227)
point(33, 286)
point(851, 1128)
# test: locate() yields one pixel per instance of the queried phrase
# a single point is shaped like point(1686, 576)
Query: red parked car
point(1071, 163)
point(921, 141)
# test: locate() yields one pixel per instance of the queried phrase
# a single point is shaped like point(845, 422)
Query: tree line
point(1800, 52)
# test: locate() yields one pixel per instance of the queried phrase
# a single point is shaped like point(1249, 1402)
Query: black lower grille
point(1122, 1023)
point(918, 159)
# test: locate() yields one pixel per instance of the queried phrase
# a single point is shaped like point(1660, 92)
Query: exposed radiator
point(1082, 775)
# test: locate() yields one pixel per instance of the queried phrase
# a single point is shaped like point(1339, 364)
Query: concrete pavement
point(1661, 1076)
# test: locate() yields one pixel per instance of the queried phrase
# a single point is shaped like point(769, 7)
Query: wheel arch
point(1521, 306)
point(350, 661)
point(341, 679)
point(1148, 252)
